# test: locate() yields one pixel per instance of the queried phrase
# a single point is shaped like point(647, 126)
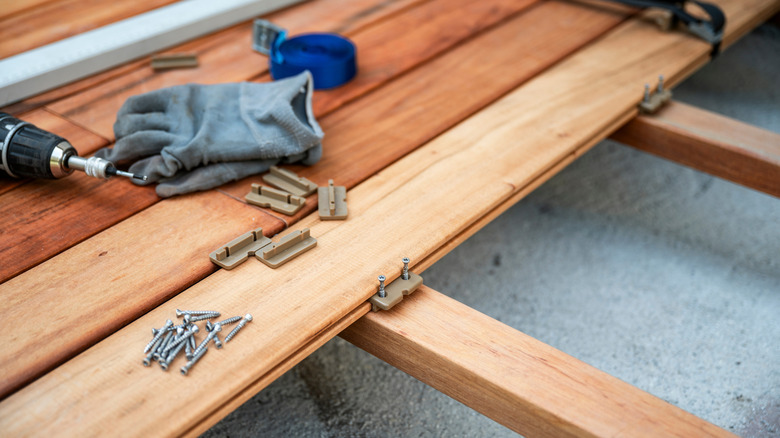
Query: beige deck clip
point(276, 200)
point(332, 202)
point(174, 60)
point(239, 249)
point(289, 181)
point(289, 247)
point(393, 293)
point(651, 103)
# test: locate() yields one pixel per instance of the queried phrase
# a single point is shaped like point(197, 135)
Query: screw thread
point(157, 336)
point(194, 312)
point(382, 292)
point(647, 92)
point(235, 330)
point(186, 368)
point(204, 316)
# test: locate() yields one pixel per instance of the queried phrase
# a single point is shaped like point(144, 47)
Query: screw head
point(209, 326)
point(248, 317)
point(195, 329)
point(217, 327)
point(405, 260)
point(381, 278)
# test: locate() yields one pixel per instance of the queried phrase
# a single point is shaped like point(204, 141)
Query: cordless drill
point(29, 151)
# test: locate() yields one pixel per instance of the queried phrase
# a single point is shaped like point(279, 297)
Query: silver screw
point(165, 353)
point(405, 274)
point(231, 320)
point(217, 328)
point(148, 360)
point(647, 93)
point(157, 336)
point(382, 292)
point(217, 342)
point(181, 337)
point(204, 316)
point(660, 88)
point(186, 368)
point(241, 324)
point(160, 348)
point(173, 354)
point(188, 348)
point(181, 313)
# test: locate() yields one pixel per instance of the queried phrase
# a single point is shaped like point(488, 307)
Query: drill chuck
point(28, 151)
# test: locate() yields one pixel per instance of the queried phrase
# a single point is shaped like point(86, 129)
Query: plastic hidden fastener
point(389, 296)
point(276, 200)
point(332, 202)
point(289, 247)
point(238, 250)
point(253, 243)
point(329, 57)
point(289, 182)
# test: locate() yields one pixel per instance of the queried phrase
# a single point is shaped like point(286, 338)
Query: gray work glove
point(195, 137)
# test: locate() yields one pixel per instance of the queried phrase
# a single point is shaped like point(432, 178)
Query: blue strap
point(329, 57)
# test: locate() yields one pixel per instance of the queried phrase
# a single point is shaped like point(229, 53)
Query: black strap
point(709, 30)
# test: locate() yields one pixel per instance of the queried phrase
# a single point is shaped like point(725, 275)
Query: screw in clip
point(241, 324)
point(647, 93)
point(405, 273)
point(660, 88)
point(382, 292)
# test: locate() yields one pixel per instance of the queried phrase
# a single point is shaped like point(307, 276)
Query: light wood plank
point(514, 379)
point(709, 142)
point(524, 134)
point(225, 56)
point(98, 286)
point(54, 21)
point(84, 141)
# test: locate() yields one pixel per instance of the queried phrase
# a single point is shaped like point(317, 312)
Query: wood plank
point(583, 24)
point(293, 304)
point(44, 217)
point(63, 203)
point(18, 6)
point(516, 380)
point(405, 113)
point(709, 142)
point(100, 285)
point(84, 141)
point(225, 56)
point(54, 21)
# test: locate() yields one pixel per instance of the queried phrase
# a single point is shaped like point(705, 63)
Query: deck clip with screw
point(652, 102)
point(392, 294)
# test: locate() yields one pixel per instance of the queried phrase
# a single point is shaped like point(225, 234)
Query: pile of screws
point(171, 339)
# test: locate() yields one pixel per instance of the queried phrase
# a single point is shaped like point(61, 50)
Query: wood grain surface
point(54, 21)
point(582, 25)
point(225, 56)
point(709, 142)
point(411, 110)
point(520, 382)
point(65, 203)
point(525, 133)
point(98, 286)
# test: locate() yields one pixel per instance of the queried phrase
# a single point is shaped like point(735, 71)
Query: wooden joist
point(709, 142)
point(528, 132)
point(511, 377)
point(347, 138)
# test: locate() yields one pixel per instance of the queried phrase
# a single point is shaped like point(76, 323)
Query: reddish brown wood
point(96, 287)
point(388, 123)
point(225, 56)
point(709, 142)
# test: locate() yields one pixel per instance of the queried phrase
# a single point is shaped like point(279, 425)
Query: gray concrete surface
point(660, 275)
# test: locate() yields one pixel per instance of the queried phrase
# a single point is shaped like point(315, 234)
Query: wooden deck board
point(569, 115)
point(415, 89)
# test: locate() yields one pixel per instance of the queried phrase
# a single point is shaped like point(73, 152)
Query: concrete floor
point(655, 273)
